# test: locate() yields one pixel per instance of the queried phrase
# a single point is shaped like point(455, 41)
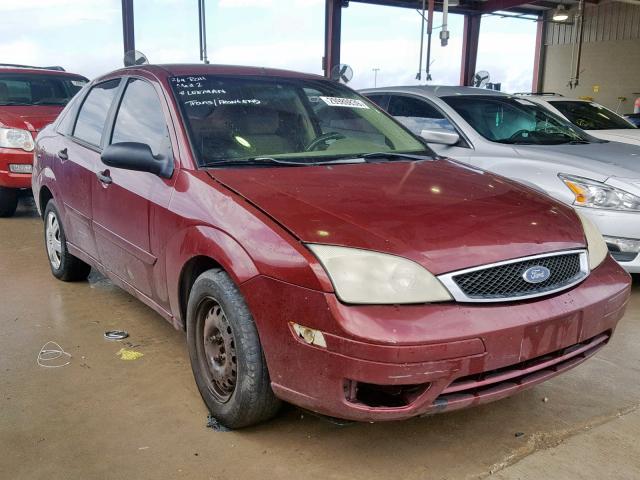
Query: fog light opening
point(309, 335)
point(623, 249)
point(383, 396)
point(617, 244)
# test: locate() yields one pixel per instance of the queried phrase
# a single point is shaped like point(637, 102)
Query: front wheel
point(8, 201)
point(64, 266)
point(226, 356)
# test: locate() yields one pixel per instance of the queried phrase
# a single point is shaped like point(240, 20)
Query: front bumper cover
point(429, 347)
point(9, 179)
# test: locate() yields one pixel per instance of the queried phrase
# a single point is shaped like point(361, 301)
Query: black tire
point(64, 266)
point(229, 368)
point(8, 201)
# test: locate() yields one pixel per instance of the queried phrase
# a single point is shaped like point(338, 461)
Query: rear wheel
point(64, 266)
point(226, 356)
point(8, 201)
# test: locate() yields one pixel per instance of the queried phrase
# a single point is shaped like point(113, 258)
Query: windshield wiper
point(276, 161)
point(233, 162)
point(393, 156)
point(6, 104)
point(50, 102)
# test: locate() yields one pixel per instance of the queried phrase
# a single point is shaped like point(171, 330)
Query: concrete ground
point(101, 417)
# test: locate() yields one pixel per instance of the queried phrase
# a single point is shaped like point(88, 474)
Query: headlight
point(365, 277)
point(592, 194)
point(595, 243)
point(16, 138)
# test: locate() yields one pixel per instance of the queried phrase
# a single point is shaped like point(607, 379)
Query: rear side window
point(93, 113)
point(417, 115)
point(380, 100)
point(140, 118)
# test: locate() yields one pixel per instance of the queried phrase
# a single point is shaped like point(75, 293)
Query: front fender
point(196, 241)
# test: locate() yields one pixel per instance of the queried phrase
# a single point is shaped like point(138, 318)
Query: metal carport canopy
point(471, 9)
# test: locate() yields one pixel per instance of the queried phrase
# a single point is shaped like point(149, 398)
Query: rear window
point(31, 89)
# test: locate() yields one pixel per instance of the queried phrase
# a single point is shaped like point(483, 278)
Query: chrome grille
point(505, 281)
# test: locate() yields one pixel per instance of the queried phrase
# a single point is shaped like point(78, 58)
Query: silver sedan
point(518, 139)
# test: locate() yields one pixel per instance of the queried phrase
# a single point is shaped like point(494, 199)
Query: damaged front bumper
point(395, 362)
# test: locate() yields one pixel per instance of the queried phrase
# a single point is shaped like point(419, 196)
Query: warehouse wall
point(610, 65)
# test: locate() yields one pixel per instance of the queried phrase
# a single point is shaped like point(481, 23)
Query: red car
point(30, 98)
point(314, 250)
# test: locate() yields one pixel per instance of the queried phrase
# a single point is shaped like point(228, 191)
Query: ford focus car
point(30, 98)
point(314, 250)
point(514, 137)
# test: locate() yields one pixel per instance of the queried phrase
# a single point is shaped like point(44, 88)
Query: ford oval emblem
point(536, 274)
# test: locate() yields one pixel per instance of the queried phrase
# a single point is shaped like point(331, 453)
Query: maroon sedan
point(314, 250)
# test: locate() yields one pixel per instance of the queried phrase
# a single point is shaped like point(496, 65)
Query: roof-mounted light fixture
point(560, 14)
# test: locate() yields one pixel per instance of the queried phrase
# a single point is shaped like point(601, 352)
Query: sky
point(85, 36)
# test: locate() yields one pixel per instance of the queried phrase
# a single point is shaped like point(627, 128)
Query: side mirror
point(138, 157)
point(441, 136)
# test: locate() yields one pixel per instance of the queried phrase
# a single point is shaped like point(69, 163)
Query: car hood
point(628, 135)
point(33, 117)
point(606, 159)
point(440, 214)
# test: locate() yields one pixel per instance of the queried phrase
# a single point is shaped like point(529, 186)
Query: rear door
point(78, 155)
point(126, 202)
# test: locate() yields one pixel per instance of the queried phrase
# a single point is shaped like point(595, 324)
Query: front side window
point(417, 115)
point(32, 89)
point(590, 116)
point(140, 118)
point(515, 121)
point(244, 118)
point(93, 112)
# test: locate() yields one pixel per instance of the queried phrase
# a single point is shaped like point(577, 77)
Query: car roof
point(178, 69)
point(548, 96)
point(435, 90)
point(9, 68)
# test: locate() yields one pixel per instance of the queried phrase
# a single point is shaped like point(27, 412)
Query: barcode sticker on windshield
point(344, 102)
point(78, 83)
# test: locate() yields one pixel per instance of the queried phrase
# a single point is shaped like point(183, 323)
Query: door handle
point(104, 177)
point(62, 154)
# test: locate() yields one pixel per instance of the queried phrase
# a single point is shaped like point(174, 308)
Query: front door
point(125, 201)
point(418, 114)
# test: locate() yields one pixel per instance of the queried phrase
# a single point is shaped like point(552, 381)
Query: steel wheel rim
point(217, 350)
point(54, 244)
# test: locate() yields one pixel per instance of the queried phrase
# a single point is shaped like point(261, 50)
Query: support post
point(128, 35)
point(202, 30)
point(470, 38)
point(332, 28)
point(538, 59)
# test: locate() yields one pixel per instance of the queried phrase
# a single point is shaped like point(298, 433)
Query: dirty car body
point(30, 98)
point(383, 282)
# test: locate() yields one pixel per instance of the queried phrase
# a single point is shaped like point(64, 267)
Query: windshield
point(32, 89)
point(590, 116)
point(244, 119)
point(515, 121)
